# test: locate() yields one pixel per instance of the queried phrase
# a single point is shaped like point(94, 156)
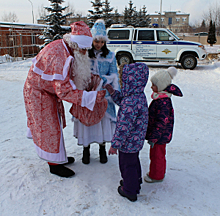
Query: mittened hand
point(109, 88)
point(112, 151)
point(100, 96)
point(95, 80)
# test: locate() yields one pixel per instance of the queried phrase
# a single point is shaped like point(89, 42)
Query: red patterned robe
point(47, 84)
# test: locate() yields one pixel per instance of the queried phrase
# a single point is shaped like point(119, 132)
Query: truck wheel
point(124, 58)
point(189, 62)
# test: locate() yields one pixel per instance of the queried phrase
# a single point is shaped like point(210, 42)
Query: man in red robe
point(61, 71)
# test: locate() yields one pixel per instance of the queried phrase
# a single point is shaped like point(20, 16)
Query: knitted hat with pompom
point(163, 78)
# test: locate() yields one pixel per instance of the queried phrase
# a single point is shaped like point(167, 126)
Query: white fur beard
point(81, 70)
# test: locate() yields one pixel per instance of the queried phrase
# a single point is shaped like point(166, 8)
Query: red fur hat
point(80, 34)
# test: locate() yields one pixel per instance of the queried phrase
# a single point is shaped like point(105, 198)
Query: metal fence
point(19, 44)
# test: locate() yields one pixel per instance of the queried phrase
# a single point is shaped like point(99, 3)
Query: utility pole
point(160, 13)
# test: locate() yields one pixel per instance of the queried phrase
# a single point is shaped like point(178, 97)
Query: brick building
point(19, 39)
point(175, 21)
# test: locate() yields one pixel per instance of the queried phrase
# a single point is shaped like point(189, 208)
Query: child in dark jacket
point(161, 121)
point(131, 126)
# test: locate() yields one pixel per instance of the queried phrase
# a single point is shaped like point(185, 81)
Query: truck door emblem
point(166, 51)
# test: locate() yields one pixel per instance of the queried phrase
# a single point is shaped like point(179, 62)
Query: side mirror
point(171, 38)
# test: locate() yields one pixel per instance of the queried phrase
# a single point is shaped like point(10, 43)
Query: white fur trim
point(113, 80)
point(29, 135)
point(100, 21)
point(83, 41)
point(72, 84)
point(100, 85)
point(101, 59)
point(54, 76)
point(100, 37)
point(88, 99)
point(65, 46)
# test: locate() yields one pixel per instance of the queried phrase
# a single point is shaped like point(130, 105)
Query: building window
point(170, 21)
point(184, 19)
point(177, 19)
point(162, 19)
point(155, 19)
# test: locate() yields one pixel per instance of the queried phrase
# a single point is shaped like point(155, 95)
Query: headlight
point(201, 46)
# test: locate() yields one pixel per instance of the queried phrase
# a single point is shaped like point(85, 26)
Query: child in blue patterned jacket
point(161, 121)
point(131, 126)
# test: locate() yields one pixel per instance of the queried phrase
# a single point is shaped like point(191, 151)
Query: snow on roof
point(26, 25)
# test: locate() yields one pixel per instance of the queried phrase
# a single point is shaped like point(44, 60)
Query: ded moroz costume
point(59, 72)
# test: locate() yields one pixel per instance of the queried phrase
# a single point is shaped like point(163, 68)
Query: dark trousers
point(130, 167)
point(157, 162)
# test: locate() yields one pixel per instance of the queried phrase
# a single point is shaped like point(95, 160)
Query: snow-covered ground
point(191, 186)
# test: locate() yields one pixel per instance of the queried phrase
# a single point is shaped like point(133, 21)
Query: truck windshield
point(173, 34)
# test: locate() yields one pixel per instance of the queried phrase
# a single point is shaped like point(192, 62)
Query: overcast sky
point(23, 8)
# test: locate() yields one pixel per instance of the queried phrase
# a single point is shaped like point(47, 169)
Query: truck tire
point(124, 58)
point(189, 61)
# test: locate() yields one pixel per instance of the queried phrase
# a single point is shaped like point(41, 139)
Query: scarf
point(160, 95)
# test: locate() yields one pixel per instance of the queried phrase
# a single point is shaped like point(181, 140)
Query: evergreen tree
point(96, 14)
point(54, 20)
point(211, 35)
point(128, 14)
point(116, 17)
point(134, 18)
point(107, 15)
point(203, 24)
point(202, 28)
point(144, 18)
point(126, 17)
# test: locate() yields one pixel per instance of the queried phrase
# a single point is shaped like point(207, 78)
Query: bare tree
point(213, 14)
point(42, 12)
point(70, 9)
point(10, 17)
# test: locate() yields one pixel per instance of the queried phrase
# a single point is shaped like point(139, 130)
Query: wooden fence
point(22, 44)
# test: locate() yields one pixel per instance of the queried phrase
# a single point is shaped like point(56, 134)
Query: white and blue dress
point(102, 132)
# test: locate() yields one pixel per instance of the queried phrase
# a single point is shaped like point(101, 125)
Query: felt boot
point(86, 155)
point(61, 170)
point(70, 160)
point(102, 154)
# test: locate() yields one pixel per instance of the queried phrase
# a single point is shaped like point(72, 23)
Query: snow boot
point(86, 155)
point(61, 170)
point(70, 160)
point(102, 154)
point(122, 184)
point(132, 198)
point(150, 180)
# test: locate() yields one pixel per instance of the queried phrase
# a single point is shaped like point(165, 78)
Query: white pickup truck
point(153, 45)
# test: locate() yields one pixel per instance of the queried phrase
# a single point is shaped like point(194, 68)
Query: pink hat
point(81, 34)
